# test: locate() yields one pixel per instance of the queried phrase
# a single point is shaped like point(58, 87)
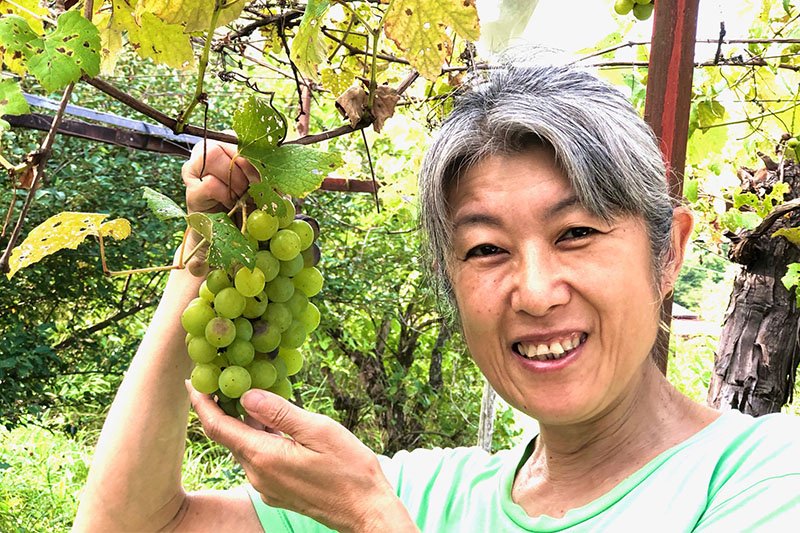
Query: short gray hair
point(607, 151)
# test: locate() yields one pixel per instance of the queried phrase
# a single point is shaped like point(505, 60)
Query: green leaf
point(787, 6)
point(792, 279)
point(748, 198)
point(418, 28)
point(267, 198)
point(294, 170)
point(227, 244)
point(163, 206)
point(792, 235)
point(709, 112)
point(308, 46)
point(258, 125)
point(61, 58)
point(690, 190)
point(18, 42)
point(11, 101)
point(733, 219)
point(774, 198)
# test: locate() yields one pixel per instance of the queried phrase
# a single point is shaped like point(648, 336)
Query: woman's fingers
point(216, 177)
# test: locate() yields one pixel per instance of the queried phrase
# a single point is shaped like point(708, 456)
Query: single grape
point(201, 351)
point(262, 225)
point(234, 381)
point(311, 222)
point(265, 337)
point(280, 368)
point(623, 7)
point(249, 282)
point(643, 11)
point(205, 293)
point(303, 230)
point(220, 332)
point(280, 289)
point(293, 359)
point(262, 373)
point(254, 307)
point(229, 303)
point(311, 256)
point(310, 317)
point(288, 216)
point(294, 336)
point(188, 338)
point(308, 280)
point(205, 378)
point(229, 407)
point(285, 245)
point(244, 328)
point(278, 315)
point(291, 267)
point(196, 316)
point(218, 280)
point(240, 352)
point(297, 303)
point(268, 264)
point(282, 388)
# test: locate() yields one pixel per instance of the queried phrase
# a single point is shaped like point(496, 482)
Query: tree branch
point(105, 323)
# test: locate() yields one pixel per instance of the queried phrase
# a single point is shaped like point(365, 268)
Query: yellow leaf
point(110, 42)
point(337, 82)
point(154, 39)
point(418, 28)
point(27, 9)
point(64, 230)
point(194, 15)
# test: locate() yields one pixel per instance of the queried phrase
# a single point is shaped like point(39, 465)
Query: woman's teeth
point(549, 352)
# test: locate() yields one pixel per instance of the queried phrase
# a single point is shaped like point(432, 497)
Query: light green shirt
point(738, 474)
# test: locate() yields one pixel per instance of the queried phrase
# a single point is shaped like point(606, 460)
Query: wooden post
point(486, 422)
point(669, 100)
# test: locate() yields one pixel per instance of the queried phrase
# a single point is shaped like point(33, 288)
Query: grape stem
point(181, 259)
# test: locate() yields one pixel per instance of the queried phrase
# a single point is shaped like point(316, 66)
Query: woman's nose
point(539, 284)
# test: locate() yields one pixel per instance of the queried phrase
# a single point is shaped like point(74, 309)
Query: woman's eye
point(577, 233)
point(483, 250)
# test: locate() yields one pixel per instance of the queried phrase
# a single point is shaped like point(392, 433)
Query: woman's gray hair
point(608, 153)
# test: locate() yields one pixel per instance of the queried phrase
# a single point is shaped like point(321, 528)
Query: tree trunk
point(486, 422)
point(758, 353)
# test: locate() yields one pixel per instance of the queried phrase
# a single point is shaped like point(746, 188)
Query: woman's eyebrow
point(568, 203)
point(476, 219)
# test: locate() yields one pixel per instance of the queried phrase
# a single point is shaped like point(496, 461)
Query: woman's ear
point(682, 224)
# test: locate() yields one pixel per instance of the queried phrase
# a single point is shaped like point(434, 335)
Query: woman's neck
point(575, 464)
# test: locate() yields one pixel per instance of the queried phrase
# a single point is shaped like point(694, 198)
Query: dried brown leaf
point(352, 104)
point(383, 106)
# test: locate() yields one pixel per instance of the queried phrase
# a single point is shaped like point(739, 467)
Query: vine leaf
point(792, 279)
point(259, 125)
point(337, 81)
point(15, 36)
point(385, 99)
point(267, 198)
point(163, 206)
point(64, 230)
point(25, 9)
point(352, 104)
point(153, 39)
point(195, 15)
point(59, 58)
point(733, 219)
point(227, 244)
point(308, 47)
point(294, 170)
point(418, 28)
point(110, 42)
point(792, 235)
point(11, 101)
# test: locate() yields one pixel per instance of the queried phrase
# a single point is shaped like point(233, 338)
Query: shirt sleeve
point(276, 520)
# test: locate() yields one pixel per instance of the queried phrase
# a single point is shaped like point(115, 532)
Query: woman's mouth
point(551, 351)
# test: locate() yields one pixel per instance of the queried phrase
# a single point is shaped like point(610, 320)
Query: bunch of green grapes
point(245, 328)
point(642, 9)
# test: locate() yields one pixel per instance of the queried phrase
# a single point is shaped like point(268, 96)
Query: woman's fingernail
point(252, 398)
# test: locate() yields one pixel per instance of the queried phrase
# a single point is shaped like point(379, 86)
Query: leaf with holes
point(791, 234)
point(17, 42)
point(227, 244)
point(64, 230)
point(195, 15)
point(163, 206)
point(110, 41)
point(418, 28)
point(308, 46)
point(62, 56)
point(11, 101)
point(337, 81)
point(258, 125)
point(267, 198)
point(294, 170)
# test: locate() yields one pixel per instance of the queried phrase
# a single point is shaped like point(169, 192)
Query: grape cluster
point(245, 327)
point(642, 9)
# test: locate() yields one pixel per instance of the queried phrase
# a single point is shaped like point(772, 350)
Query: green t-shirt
point(738, 474)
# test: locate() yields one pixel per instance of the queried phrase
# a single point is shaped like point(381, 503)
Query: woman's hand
point(323, 471)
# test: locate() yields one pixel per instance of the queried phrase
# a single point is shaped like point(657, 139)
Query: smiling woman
point(552, 236)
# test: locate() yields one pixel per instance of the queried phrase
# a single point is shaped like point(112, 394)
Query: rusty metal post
point(669, 99)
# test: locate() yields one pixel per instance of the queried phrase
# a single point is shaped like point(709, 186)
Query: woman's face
point(558, 307)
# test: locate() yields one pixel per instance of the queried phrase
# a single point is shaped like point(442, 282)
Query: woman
point(553, 236)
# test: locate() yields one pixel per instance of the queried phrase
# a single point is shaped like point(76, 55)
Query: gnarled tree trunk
point(758, 353)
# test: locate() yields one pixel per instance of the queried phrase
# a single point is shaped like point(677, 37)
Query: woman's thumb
point(281, 415)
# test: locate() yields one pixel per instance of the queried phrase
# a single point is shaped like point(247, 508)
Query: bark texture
point(757, 359)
